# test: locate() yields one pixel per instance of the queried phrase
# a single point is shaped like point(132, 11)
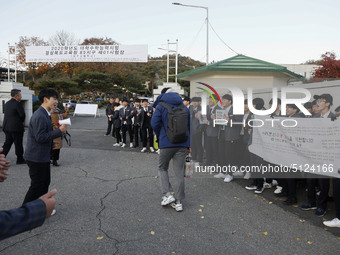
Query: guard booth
point(5, 95)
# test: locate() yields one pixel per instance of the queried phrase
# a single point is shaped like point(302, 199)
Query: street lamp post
point(206, 8)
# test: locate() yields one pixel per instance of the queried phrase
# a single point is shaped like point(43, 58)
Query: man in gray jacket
point(39, 144)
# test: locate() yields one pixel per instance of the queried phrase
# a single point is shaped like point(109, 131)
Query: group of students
point(132, 117)
point(227, 145)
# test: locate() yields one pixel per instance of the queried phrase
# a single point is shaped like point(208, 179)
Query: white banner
point(313, 146)
point(86, 109)
point(87, 53)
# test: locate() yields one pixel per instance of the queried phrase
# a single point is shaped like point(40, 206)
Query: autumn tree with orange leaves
point(34, 69)
point(330, 66)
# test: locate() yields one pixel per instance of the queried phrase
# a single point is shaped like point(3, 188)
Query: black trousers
point(220, 150)
point(291, 189)
point(145, 130)
point(118, 136)
point(16, 138)
point(324, 188)
point(211, 150)
point(40, 174)
point(109, 127)
point(136, 129)
point(243, 156)
point(55, 154)
point(197, 147)
point(128, 129)
point(256, 161)
point(336, 196)
point(231, 151)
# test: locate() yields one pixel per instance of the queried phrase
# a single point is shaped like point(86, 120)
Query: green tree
point(95, 82)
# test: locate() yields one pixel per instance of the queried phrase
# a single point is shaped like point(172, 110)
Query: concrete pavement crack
point(103, 207)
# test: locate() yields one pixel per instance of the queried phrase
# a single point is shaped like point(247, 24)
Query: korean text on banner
point(87, 53)
point(313, 142)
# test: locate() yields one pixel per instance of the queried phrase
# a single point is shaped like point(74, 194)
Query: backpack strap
point(169, 108)
point(166, 106)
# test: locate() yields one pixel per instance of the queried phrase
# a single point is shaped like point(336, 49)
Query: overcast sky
point(286, 32)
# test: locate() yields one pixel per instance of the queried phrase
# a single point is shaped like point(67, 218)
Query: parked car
point(70, 103)
point(85, 102)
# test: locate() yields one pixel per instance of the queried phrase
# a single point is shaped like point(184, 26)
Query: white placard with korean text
point(87, 53)
point(220, 117)
point(86, 109)
point(312, 146)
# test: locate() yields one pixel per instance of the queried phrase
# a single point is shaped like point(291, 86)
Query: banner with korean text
point(87, 53)
point(310, 145)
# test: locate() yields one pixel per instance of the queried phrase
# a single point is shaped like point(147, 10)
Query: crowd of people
point(132, 117)
point(227, 145)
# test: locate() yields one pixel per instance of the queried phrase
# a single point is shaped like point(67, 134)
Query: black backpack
point(177, 131)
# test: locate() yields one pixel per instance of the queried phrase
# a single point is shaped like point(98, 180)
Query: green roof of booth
point(241, 63)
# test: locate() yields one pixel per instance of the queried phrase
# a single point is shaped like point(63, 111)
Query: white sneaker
point(116, 145)
point(167, 200)
point(259, 190)
point(123, 145)
point(131, 145)
point(177, 207)
point(220, 175)
point(152, 149)
point(247, 176)
point(158, 151)
point(332, 223)
point(274, 183)
point(53, 212)
point(267, 185)
point(278, 190)
point(228, 178)
point(251, 187)
point(143, 150)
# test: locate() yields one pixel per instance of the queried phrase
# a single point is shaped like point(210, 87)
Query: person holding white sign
point(323, 103)
point(229, 135)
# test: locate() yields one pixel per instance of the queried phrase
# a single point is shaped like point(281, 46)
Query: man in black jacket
point(136, 113)
point(109, 120)
point(13, 125)
point(196, 130)
point(145, 122)
point(126, 122)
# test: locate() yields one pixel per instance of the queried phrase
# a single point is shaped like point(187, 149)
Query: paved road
point(108, 202)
